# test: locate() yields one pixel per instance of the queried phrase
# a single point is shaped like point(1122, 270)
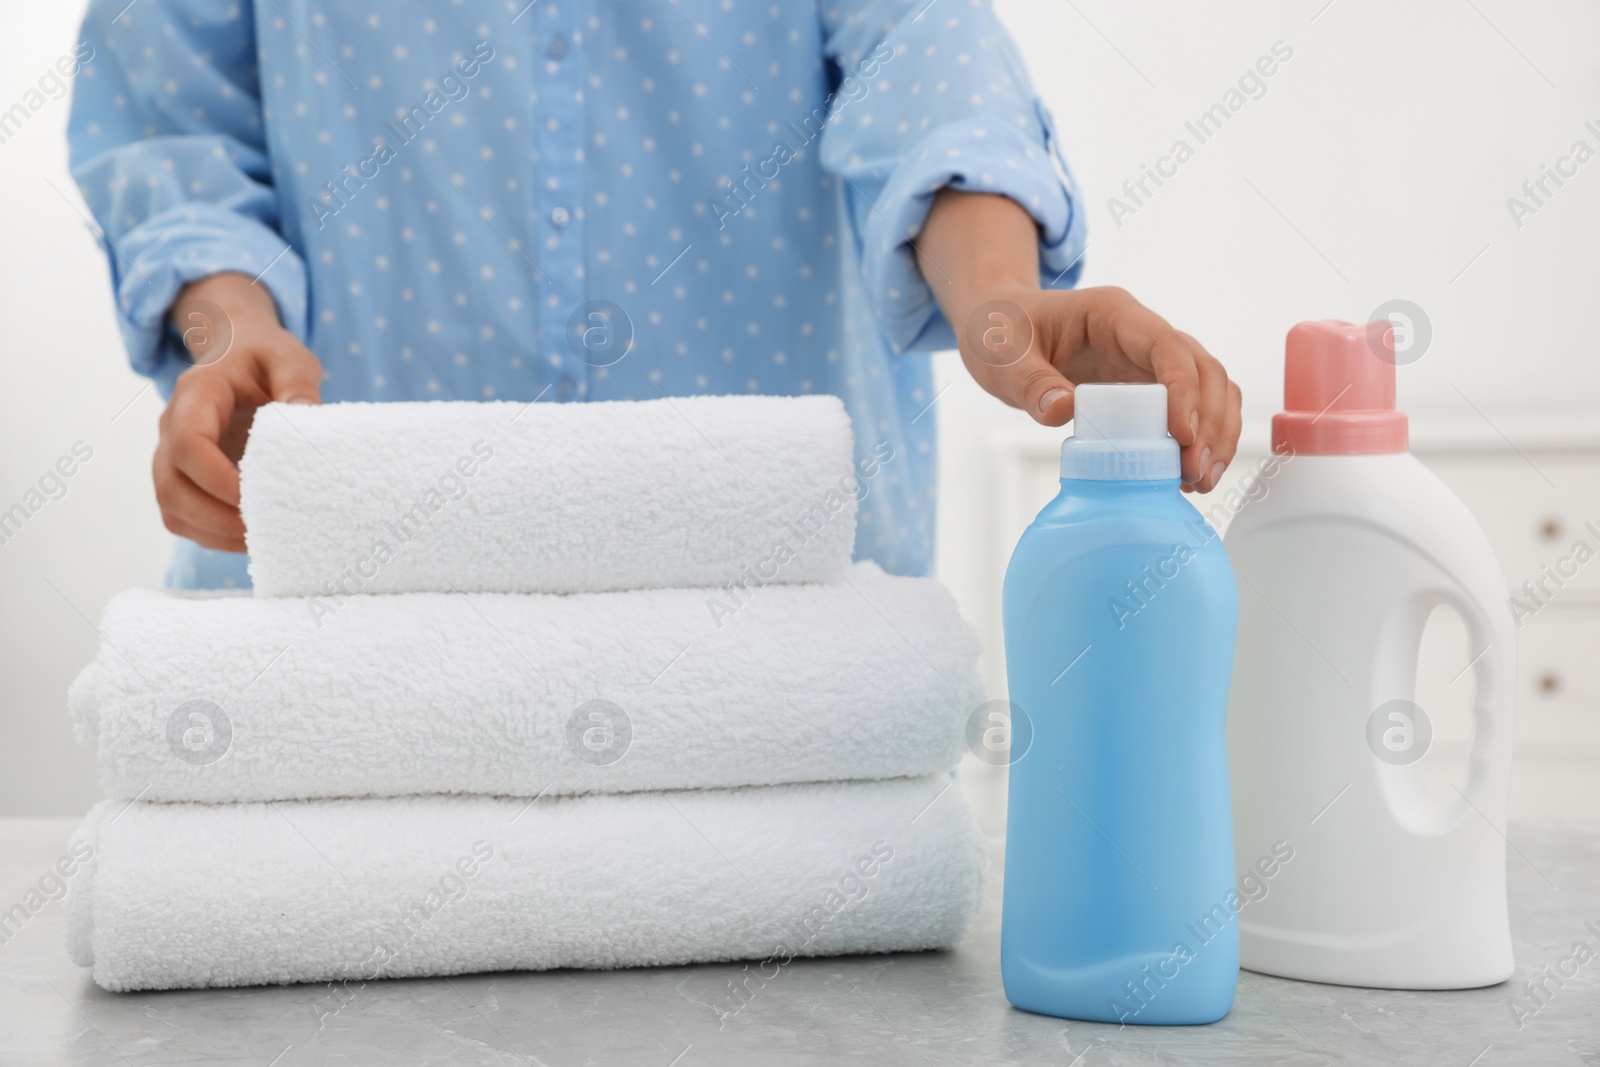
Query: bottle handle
point(1492, 658)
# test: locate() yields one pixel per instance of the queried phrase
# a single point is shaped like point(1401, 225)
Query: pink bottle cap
point(1338, 391)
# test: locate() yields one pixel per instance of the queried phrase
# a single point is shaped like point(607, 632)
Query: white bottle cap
point(1119, 433)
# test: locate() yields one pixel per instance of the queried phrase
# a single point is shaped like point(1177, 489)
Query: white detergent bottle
point(1339, 566)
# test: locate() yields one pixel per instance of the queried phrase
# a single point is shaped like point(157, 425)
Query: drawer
point(1557, 693)
point(1533, 523)
point(1558, 684)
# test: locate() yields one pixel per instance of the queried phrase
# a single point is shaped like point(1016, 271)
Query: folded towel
point(196, 895)
point(228, 697)
point(559, 498)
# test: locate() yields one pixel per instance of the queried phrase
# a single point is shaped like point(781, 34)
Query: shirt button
point(559, 217)
point(557, 47)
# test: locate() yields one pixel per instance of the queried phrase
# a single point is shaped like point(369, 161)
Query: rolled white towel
point(559, 498)
point(197, 895)
point(232, 698)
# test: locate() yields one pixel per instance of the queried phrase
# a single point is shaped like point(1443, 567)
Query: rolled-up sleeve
point(167, 145)
point(934, 95)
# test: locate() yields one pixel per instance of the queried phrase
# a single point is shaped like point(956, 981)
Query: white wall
point(1389, 144)
point(65, 379)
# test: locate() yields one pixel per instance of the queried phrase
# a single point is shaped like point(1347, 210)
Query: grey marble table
point(927, 1009)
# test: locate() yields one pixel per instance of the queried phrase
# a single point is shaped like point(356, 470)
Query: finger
point(1174, 365)
point(1232, 425)
point(1008, 358)
point(197, 416)
point(1032, 384)
point(190, 512)
point(1001, 345)
point(1203, 357)
point(1219, 417)
point(216, 530)
point(204, 538)
point(294, 375)
point(1213, 455)
point(1117, 325)
point(1045, 392)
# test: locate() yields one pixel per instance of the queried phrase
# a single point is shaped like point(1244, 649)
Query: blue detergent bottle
point(1120, 611)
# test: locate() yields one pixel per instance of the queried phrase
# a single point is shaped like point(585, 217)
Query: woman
point(565, 201)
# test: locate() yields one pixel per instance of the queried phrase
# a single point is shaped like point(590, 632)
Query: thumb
point(1048, 396)
point(1032, 384)
point(294, 374)
point(1001, 349)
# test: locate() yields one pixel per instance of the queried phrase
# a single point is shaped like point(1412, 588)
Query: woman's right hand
point(243, 358)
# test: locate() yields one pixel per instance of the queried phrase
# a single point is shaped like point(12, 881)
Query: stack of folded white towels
point(524, 687)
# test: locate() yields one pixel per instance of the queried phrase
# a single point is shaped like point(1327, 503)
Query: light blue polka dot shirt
point(443, 197)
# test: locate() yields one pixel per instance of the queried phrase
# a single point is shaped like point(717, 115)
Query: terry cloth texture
point(219, 697)
point(197, 895)
point(527, 687)
point(547, 498)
